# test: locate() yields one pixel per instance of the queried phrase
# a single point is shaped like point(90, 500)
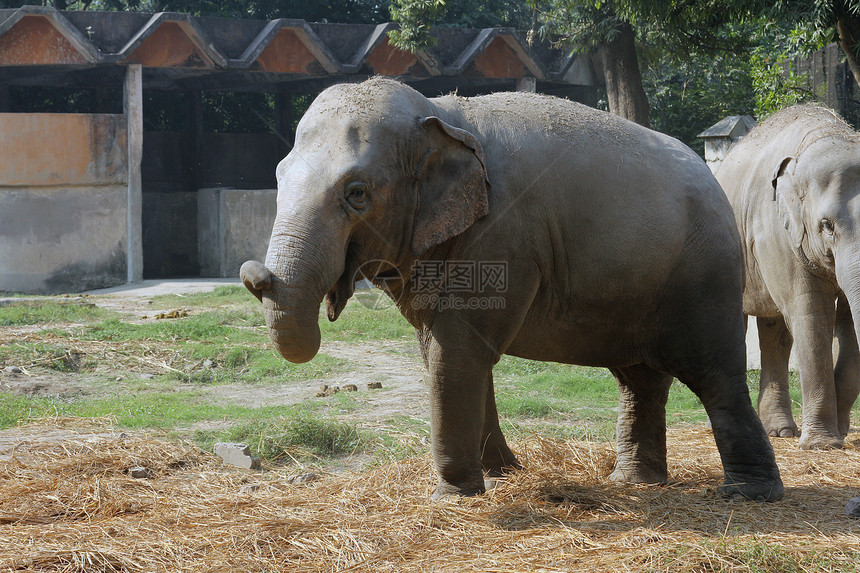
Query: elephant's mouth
point(381, 273)
point(337, 297)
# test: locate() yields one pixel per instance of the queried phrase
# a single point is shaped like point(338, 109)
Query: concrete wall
point(234, 225)
point(174, 168)
point(63, 202)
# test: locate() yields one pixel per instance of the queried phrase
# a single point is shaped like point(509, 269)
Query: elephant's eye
point(356, 195)
point(826, 226)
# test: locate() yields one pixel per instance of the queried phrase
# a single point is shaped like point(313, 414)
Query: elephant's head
point(375, 175)
point(818, 195)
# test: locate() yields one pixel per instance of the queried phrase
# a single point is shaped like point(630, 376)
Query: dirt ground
point(397, 366)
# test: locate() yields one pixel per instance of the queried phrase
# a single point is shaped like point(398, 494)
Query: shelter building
point(138, 186)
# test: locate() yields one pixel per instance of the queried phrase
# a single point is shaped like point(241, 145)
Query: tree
point(586, 25)
point(617, 27)
point(823, 21)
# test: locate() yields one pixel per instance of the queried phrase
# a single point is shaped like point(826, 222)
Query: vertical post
point(4, 99)
point(195, 133)
point(284, 121)
point(133, 110)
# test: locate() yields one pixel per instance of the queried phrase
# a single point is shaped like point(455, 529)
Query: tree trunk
point(849, 34)
point(623, 81)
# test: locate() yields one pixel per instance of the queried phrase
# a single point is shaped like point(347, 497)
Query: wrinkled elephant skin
point(794, 183)
point(527, 225)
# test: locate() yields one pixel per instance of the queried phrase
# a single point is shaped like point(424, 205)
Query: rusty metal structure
point(122, 203)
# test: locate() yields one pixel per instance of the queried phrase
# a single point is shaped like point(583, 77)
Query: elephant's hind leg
point(641, 429)
point(847, 371)
point(749, 464)
point(774, 400)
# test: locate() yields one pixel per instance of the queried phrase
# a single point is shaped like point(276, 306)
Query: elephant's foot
point(779, 426)
point(500, 466)
point(445, 489)
point(812, 440)
point(784, 431)
point(737, 488)
point(638, 473)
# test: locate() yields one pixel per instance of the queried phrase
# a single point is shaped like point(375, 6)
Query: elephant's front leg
point(774, 399)
point(847, 371)
point(459, 389)
point(641, 429)
point(811, 322)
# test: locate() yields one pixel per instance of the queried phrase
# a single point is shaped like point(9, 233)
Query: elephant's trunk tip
point(256, 278)
point(297, 349)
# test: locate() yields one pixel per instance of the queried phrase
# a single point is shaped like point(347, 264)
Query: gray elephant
point(794, 183)
point(527, 225)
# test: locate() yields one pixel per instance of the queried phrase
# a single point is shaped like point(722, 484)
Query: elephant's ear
point(452, 185)
point(789, 201)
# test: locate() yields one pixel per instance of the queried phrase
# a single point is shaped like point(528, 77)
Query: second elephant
point(794, 183)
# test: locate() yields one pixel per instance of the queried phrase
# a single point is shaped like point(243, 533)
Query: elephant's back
point(746, 171)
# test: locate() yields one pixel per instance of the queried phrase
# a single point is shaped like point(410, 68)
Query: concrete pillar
point(527, 84)
point(133, 110)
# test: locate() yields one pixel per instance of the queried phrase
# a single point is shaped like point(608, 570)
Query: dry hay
point(71, 506)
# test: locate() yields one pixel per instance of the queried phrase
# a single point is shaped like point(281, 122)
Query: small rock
point(302, 478)
point(350, 388)
point(123, 436)
point(139, 472)
point(147, 376)
point(238, 455)
point(374, 385)
point(12, 370)
point(208, 364)
point(852, 508)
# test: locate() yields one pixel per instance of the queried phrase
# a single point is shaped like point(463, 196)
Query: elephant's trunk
point(291, 286)
point(848, 277)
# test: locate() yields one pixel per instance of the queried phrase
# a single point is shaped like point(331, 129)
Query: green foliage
point(690, 95)
point(775, 86)
point(415, 18)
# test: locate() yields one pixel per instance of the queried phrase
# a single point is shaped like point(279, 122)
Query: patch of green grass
point(530, 389)
point(757, 556)
point(248, 365)
point(227, 295)
point(15, 409)
point(49, 312)
point(54, 356)
point(358, 323)
point(206, 326)
point(573, 401)
point(156, 407)
point(297, 435)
